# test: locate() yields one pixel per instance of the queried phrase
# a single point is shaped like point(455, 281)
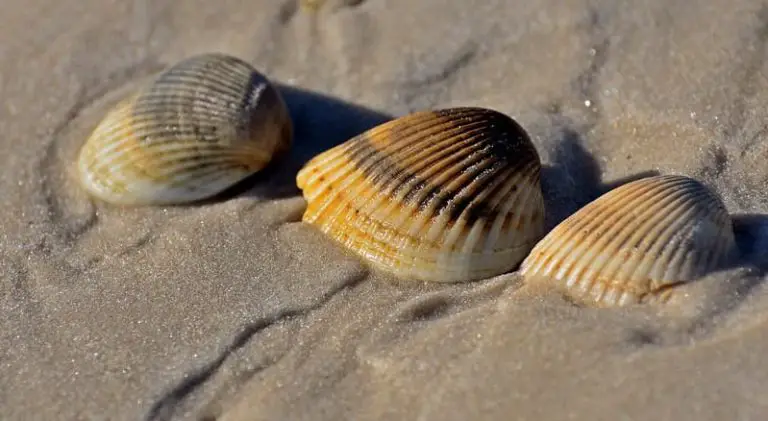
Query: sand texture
point(235, 310)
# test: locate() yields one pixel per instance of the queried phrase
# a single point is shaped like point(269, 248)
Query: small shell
point(449, 195)
point(635, 243)
point(199, 127)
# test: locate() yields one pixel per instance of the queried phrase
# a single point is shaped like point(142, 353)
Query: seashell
point(635, 243)
point(201, 126)
point(447, 196)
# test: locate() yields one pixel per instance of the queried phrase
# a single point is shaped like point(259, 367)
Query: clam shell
point(448, 195)
point(201, 126)
point(635, 243)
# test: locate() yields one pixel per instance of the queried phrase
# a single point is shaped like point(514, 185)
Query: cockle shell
point(201, 126)
point(448, 195)
point(635, 243)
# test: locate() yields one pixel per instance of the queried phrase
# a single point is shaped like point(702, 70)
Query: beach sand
point(235, 310)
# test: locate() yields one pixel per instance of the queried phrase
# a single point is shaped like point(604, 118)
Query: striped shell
point(635, 243)
point(199, 127)
point(449, 195)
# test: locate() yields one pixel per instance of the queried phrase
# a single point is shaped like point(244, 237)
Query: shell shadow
point(573, 179)
point(751, 232)
point(320, 122)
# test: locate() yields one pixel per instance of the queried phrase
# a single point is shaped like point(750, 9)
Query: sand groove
point(164, 406)
point(57, 187)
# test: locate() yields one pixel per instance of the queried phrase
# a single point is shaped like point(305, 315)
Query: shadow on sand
point(320, 122)
point(751, 231)
point(573, 178)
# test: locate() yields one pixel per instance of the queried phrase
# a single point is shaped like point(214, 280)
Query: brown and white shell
point(635, 243)
point(447, 195)
point(201, 126)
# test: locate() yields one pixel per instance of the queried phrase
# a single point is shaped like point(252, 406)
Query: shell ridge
point(526, 200)
point(437, 136)
point(428, 210)
point(565, 233)
point(94, 145)
point(400, 133)
point(333, 197)
point(315, 168)
point(640, 267)
point(199, 91)
point(444, 214)
point(159, 136)
point(703, 261)
point(407, 174)
point(613, 239)
point(230, 70)
point(381, 213)
point(323, 170)
point(442, 169)
point(369, 159)
point(212, 177)
point(408, 135)
point(562, 237)
point(501, 193)
point(453, 199)
point(190, 169)
point(600, 212)
point(508, 191)
point(355, 177)
point(428, 163)
point(380, 167)
point(456, 180)
point(481, 211)
point(348, 200)
point(415, 257)
point(195, 85)
point(664, 225)
point(147, 109)
point(632, 227)
point(338, 192)
point(673, 237)
point(460, 206)
point(347, 171)
point(133, 156)
point(476, 209)
point(224, 74)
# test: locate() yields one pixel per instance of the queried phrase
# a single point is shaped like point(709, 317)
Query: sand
point(235, 310)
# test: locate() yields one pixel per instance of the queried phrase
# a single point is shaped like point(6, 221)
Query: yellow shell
point(201, 126)
point(448, 195)
point(635, 243)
